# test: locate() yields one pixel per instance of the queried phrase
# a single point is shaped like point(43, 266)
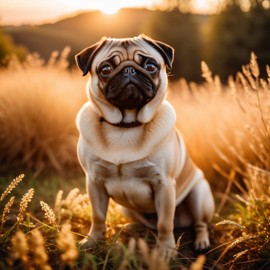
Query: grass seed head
point(230, 222)
point(49, 214)
point(206, 72)
point(248, 74)
point(7, 210)
point(144, 250)
point(71, 196)
point(268, 73)
point(254, 65)
point(199, 263)
point(132, 245)
point(243, 80)
point(26, 199)
point(36, 243)
point(12, 185)
point(19, 248)
point(67, 245)
point(58, 201)
point(268, 70)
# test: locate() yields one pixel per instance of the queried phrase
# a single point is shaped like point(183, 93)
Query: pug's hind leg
point(202, 207)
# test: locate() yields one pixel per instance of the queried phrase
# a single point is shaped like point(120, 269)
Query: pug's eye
point(106, 70)
point(150, 67)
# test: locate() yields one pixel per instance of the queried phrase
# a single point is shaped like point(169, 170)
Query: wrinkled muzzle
point(130, 88)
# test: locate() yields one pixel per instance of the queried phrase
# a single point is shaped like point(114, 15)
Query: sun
point(113, 6)
point(203, 6)
point(109, 9)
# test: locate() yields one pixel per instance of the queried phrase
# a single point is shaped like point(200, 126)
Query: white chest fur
point(122, 145)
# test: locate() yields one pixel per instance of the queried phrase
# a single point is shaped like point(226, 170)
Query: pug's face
point(126, 74)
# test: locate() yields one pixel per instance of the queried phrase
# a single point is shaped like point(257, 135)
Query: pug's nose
point(129, 71)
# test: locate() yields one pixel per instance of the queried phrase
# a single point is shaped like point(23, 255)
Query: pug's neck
point(129, 116)
point(129, 119)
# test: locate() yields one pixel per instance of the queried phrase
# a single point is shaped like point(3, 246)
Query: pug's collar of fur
point(122, 124)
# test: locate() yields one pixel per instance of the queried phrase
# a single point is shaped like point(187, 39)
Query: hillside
point(219, 39)
point(84, 29)
point(79, 31)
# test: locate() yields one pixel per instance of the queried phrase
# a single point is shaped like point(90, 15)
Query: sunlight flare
point(109, 10)
point(110, 7)
point(203, 6)
point(113, 6)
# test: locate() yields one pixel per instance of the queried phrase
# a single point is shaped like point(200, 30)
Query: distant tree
point(8, 48)
point(258, 26)
point(235, 33)
point(245, 5)
point(181, 31)
point(182, 5)
point(227, 44)
point(259, 3)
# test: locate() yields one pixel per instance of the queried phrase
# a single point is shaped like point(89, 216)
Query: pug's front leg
point(99, 200)
point(165, 207)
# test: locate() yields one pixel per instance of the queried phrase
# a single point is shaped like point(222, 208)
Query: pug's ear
point(85, 58)
point(166, 51)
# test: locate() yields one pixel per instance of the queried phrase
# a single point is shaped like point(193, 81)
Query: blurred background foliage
point(7, 47)
point(234, 33)
point(224, 39)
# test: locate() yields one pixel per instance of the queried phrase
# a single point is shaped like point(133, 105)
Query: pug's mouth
point(129, 89)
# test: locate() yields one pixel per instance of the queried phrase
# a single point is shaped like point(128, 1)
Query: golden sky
point(39, 11)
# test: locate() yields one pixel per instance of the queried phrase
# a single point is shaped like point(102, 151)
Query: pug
point(129, 147)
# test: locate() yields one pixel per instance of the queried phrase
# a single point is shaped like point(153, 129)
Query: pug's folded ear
point(85, 58)
point(166, 51)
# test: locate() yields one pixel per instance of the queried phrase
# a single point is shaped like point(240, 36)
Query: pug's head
point(128, 76)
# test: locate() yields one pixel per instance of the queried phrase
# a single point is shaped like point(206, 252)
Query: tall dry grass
point(39, 102)
point(246, 231)
point(38, 105)
point(225, 127)
point(227, 131)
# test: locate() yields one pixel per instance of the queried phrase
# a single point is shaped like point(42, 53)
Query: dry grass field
point(37, 115)
point(44, 214)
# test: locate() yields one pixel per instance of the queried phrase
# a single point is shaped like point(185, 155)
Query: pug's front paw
point(87, 243)
point(167, 248)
